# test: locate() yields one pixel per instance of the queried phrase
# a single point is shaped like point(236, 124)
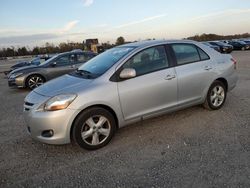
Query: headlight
point(59, 102)
point(14, 75)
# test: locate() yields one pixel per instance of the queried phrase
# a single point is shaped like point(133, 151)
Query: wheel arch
point(106, 107)
point(224, 81)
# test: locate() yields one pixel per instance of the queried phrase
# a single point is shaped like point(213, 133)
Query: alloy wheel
point(217, 96)
point(96, 130)
point(35, 81)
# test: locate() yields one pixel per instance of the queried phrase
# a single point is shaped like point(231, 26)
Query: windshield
point(101, 63)
point(35, 61)
point(241, 42)
point(222, 43)
point(49, 60)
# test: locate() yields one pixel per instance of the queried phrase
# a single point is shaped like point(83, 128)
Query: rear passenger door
point(194, 72)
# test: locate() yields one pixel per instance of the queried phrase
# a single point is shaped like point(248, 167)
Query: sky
point(35, 22)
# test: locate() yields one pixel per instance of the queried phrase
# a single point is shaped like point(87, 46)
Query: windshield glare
point(101, 63)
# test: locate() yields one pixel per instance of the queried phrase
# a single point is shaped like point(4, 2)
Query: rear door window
point(185, 53)
point(81, 58)
point(203, 55)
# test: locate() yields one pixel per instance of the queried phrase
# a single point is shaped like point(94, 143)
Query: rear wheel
point(34, 81)
point(243, 48)
point(216, 96)
point(94, 128)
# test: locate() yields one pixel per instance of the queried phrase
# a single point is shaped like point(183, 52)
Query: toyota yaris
point(127, 84)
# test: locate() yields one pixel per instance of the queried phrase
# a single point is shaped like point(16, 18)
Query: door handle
point(170, 77)
point(207, 68)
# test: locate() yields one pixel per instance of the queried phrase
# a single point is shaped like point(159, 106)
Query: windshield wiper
point(83, 72)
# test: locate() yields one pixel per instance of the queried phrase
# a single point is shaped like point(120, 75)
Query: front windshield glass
point(49, 60)
point(241, 42)
point(101, 63)
point(35, 61)
point(221, 43)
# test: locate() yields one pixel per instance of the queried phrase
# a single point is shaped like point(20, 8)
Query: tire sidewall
point(209, 102)
point(79, 122)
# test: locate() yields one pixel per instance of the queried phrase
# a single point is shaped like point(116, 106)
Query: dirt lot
point(189, 148)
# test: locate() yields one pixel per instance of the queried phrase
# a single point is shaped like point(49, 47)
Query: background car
point(247, 41)
point(33, 76)
point(127, 84)
point(36, 61)
point(224, 48)
point(239, 45)
point(215, 47)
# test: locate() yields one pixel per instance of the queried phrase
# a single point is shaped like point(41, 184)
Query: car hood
point(24, 69)
point(20, 64)
point(62, 85)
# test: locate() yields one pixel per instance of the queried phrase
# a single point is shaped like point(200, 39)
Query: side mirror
point(53, 64)
point(128, 73)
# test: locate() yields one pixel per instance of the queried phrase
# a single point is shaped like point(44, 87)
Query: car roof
point(154, 42)
point(75, 52)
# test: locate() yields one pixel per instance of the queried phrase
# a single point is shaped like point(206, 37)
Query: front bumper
point(57, 122)
point(38, 122)
point(16, 82)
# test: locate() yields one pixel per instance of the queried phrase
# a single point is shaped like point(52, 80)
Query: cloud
point(27, 38)
point(140, 21)
point(69, 26)
point(220, 14)
point(9, 37)
point(87, 3)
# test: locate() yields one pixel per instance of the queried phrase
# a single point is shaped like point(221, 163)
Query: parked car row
point(35, 61)
point(37, 72)
point(123, 85)
point(227, 46)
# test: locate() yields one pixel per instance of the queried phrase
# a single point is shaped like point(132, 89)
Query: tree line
point(50, 48)
point(211, 37)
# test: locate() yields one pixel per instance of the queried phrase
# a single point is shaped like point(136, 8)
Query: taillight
point(234, 62)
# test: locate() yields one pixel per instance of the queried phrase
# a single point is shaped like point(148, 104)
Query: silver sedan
point(128, 84)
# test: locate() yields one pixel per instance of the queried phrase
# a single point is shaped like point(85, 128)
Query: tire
point(86, 131)
point(243, 48)
point(34, 81)
point(216, 96)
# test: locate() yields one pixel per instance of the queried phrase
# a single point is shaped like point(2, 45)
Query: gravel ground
point(189, 148)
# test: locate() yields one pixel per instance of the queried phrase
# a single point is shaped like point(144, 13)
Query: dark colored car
point(35, 75)
point(224, 48)
point(35, 61)
point(247, 41)
point(215, 47)
point(239, 45)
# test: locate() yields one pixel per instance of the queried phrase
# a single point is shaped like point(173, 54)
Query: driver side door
point(154, 88)
point(60, 66)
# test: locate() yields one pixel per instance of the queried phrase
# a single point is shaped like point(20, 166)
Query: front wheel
point(34, 81)
point(94, 128)
point(216, 96)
